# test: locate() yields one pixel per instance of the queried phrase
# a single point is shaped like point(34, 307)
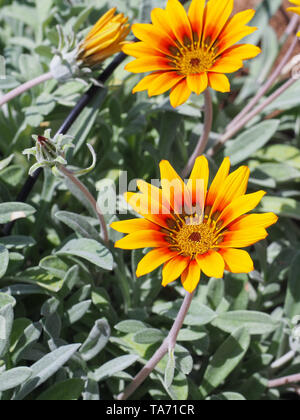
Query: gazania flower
point(295, 9)
point(194, 229)
point(105, 39)
point(189, 52)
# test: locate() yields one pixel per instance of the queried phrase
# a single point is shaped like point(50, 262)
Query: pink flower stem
point(168, 344)
point(23, 88)
point(90, 198)
point(286, 380)
point(256, 111)
point(202, 143)
point(264, 89)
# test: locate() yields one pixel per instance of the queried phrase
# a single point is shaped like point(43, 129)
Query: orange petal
point(180, 94)
point(218, 182)
point(159, 202)
point(146, 208)
point(173, 269)
point(191, 276)
point(197, 82)
point(196, 17)
point(153, 260)
point(143, 239)
point(160, 21)
point(233, 186)
point(179, 22)
point(212, 264)
point(219, 82)
point(240, 206)
point(133, 225)
point(175, 189)
point(217, 14)
point(198, 182)
point(237, 260)
point(153, 36)
point(236, 29)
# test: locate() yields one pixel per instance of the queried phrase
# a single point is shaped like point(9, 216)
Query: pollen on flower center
point(195, 61)
point(197, 239)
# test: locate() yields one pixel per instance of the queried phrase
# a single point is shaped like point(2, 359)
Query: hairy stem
point(23, 88)
point(264, 89)
point(286, 380)
point(89, 196)
point(167, 345)
point(256, 111)
point(202, 143)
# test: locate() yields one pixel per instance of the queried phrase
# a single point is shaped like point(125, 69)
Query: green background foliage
point(75, 322)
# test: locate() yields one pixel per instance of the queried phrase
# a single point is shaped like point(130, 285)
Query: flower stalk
point(265, 88)
point(203, 140)
point(25, 87)
point(256, 111)
point(286, 380)
point(167, 346)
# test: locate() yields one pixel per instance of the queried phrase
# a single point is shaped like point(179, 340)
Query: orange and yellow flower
point(106, 38)
point(295, 9)
point(192, 228)
point(189, 52)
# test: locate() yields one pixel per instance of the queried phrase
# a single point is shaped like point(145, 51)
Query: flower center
point(192, 58)
point(190, 237)
point(195, 239)
point(196, 61)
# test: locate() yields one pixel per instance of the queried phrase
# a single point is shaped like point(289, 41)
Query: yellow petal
point(197, 82)
point(159, 203)
point(140, 49)
point(142, 239)
point(180, 94)
point(242, 52)
point(146, 64)
point(237, 260)
point(153, 260)
point(145, 83)
point(133, 225)
point(164, 82)
point(227, 65)
point(242, 238)
point(219, 82)
point(102, 22)
point(212, 264)
point(263, 220)
point(173, 269)
point(191, 276)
